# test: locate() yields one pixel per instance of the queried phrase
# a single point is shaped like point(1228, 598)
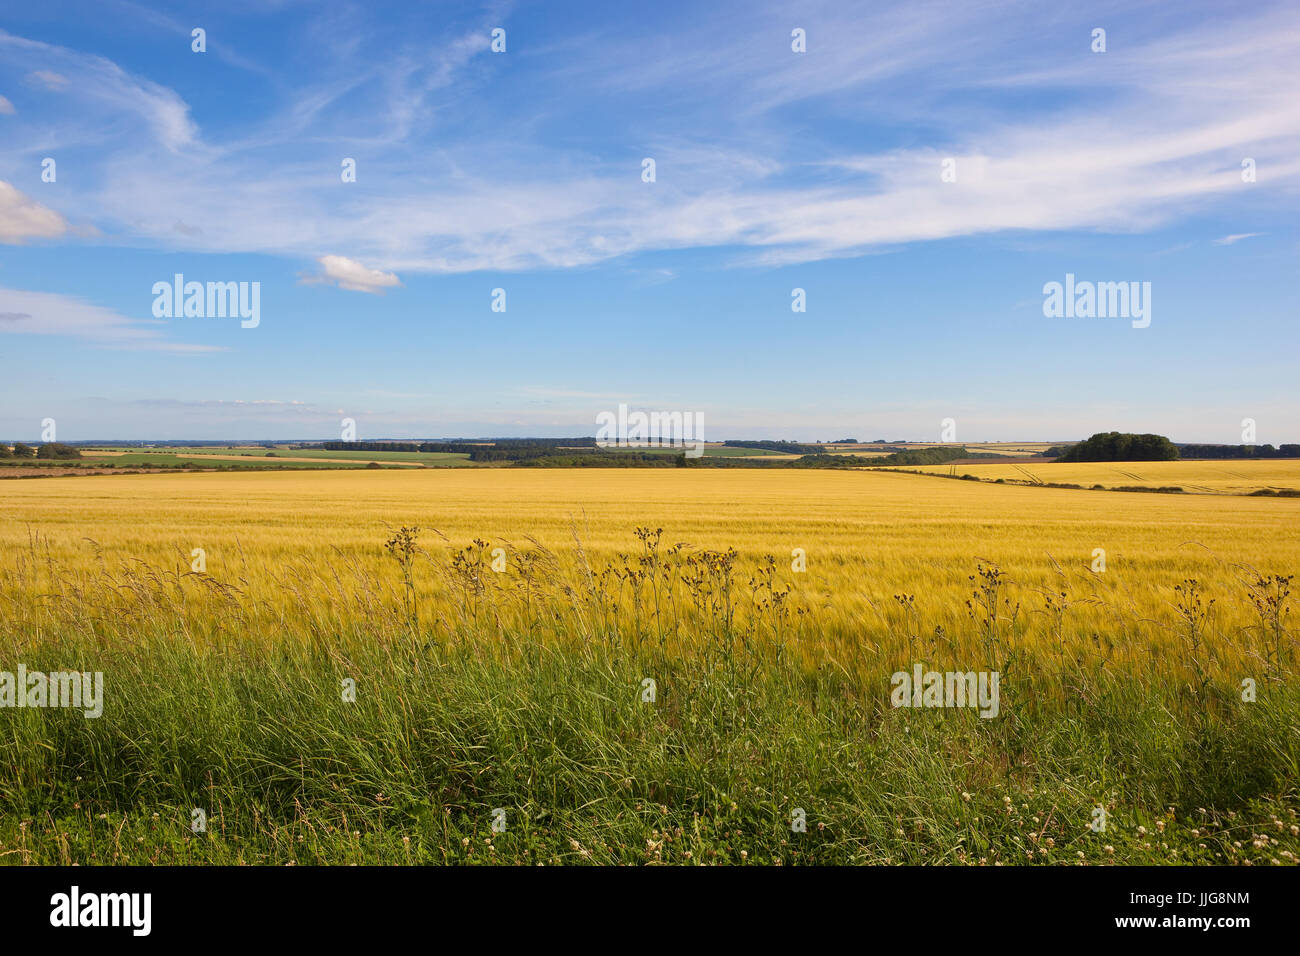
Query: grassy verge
point(258, 735)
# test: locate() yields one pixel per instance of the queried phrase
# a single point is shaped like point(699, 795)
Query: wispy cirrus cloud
point(23, 218)
point(282, 408)
point(48, 79)
point(48, 313)
point(99, 97)
point(1150, 132)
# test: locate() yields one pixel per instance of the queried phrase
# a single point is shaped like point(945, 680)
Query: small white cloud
point(22, 218)
point(49, 79)
point(1229, 240)
point(6, 108)
point(349, 274)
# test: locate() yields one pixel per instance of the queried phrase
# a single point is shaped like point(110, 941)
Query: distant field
point(145, 459)
point(246, 454)
point(301, 457)
point(1206, 477)
point(258, 457)
point(1019, 449)
point(1012, 449)
point(727, 451)
point(711, 450)
point(444, 459)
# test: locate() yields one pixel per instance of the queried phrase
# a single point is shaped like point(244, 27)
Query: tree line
point(49, 450)
point(1122, 446)
point(1239, 451)
point(512, 447)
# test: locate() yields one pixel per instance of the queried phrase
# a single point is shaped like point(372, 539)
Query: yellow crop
point(891, 558)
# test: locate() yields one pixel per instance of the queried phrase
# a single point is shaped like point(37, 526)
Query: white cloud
point(6, 107)
point(23, 218)
point(47, 313)
point(101, 97)
point(1140, 137)
point(48, 79)
point(349, 274)
point(1229, 240)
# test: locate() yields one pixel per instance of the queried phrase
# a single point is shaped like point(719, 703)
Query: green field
point(207, 455)
point(170, 460)
point(246, 456)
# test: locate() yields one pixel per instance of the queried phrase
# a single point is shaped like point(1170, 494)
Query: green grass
point(281, 456)
point(726, 451)
point(440, 458)
point(140, 459)
point(258, 735)
point(523, 692)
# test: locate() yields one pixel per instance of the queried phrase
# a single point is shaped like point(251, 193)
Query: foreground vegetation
point(714, 770)
point(516, 681)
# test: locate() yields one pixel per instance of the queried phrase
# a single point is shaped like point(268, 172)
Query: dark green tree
point(1122, 446)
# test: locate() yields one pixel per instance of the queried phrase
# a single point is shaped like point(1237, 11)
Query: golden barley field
point(1204, 477)
point(290, 543)
point(336, 687)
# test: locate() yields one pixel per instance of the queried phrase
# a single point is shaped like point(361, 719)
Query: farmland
point(280, 455)
point(769, 608)
point(1235, 477)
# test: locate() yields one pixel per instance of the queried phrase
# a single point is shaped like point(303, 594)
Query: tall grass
point(524, 690)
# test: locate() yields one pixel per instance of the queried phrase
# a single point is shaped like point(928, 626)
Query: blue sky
point(775, 170)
